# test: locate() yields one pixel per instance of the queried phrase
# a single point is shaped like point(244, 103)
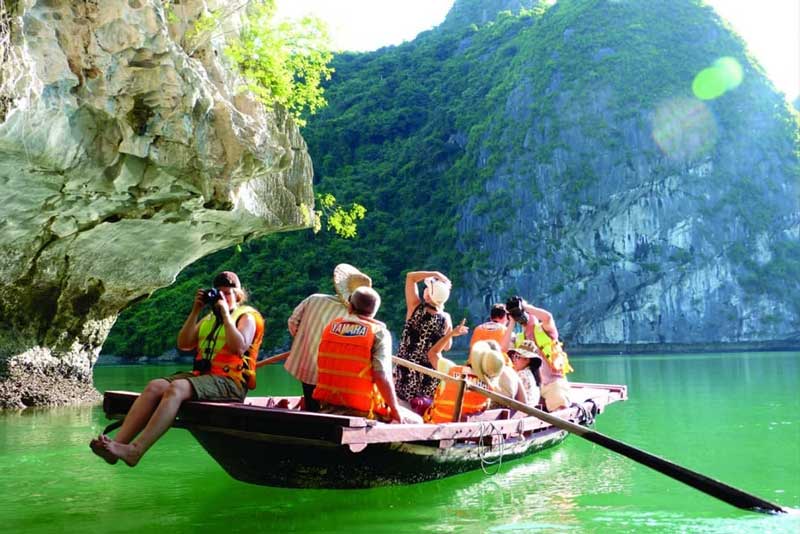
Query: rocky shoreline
point(28, 384)
point(576, 350)
point(172, 356)
point(682, 348)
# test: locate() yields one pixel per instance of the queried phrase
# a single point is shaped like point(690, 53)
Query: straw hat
point(508, 382)
point(438, 291)
point(346, 279)
point(487, 362)
point(528, 350)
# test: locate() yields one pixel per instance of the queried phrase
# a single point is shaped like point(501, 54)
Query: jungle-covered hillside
point(564, 152)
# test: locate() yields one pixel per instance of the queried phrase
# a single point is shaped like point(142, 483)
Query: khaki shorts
point(211, 387)
point(556, 394)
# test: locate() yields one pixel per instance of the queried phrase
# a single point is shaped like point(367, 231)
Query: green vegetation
point(426, 136)
point(338, 219)
point(285, 62)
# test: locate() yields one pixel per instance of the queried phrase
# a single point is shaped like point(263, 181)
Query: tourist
point(426, 323)
point(486, 358)
point(309, 319)
point(494, 328)
point(443, 406)
point(225, 342)
point(539, 326)
point(355, 362)
point(486, 367)
point(526, 362)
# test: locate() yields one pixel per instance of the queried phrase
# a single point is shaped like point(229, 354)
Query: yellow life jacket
point(442, 410)
point(553, 351)
point(487, 331)
point(212, 347)
point(345, 367)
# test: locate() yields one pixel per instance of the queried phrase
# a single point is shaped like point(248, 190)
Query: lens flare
point(724, 75)
point(732, 71)
point(684, 128)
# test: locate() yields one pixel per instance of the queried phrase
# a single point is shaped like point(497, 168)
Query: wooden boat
point(261, 443)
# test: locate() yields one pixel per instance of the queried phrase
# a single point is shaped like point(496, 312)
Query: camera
point(515, 309)
point(210, 295)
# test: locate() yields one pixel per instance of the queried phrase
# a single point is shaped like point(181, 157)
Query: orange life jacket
point(487, 331)
point(345, 366)
point(442, 410)
point(223, 361)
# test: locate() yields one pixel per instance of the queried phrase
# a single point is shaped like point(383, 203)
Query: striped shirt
point(306, 324)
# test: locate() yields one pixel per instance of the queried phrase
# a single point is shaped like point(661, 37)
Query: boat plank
point(247, 418)
point(254, 417)
point(387, 433)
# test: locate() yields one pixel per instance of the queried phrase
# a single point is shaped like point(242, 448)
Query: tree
point(284, 62)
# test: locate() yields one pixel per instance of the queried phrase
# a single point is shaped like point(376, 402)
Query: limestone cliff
point(561, 151)
point(637, 212)
point(126, 153)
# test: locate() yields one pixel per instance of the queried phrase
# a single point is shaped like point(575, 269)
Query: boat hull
point(263, 442)
point(269, 462)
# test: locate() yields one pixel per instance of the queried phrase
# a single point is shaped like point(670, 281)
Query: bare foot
point(97, 446)
point(128, 453)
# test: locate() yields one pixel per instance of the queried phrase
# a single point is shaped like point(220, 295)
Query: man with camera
point(539, 326)
point(226, 343)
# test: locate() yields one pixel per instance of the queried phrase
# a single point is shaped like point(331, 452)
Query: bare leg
point(177, 392)
point(143, 407)
point(140, 412)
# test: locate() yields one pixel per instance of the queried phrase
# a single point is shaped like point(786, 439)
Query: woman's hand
point(221, 307)
point(443, 278)
point(461, 328)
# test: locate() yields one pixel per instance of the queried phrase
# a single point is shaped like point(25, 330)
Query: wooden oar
point(272, 359)
point(715, 488)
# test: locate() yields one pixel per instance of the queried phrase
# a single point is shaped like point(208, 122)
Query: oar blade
point(715, 488)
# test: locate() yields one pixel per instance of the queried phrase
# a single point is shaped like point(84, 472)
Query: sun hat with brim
point(526, 350)
point(347, 279)
point(486, 362)
point(438, 291)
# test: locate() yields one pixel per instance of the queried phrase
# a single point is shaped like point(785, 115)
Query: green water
point(734, 417)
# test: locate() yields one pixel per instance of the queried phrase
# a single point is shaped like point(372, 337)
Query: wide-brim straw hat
point(347, 279)
point(486, 362)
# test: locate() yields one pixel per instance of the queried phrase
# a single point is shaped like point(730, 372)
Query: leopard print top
point(420, 332)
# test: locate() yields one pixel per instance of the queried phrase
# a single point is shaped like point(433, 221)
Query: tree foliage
point(341, 220)
point(284, 62)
